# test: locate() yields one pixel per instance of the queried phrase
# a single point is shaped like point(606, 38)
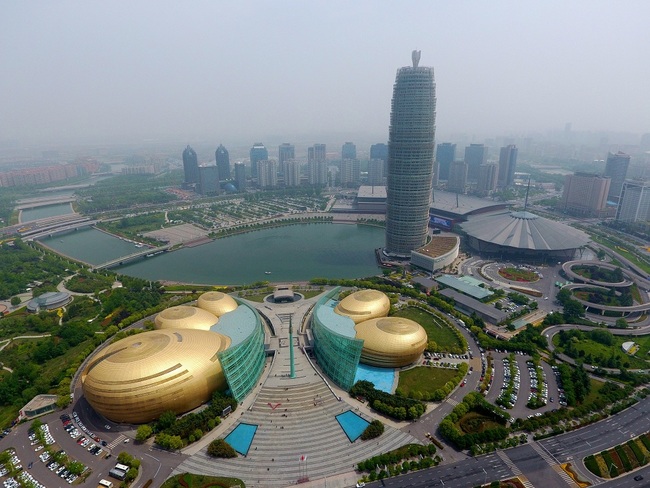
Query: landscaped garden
point(518, 274)
point(430, 384)
point(188, 480)
point(598, 273)
point(620, 459)
point(442, 336)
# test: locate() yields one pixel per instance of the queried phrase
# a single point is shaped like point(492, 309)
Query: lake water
point(290, 253)
point(32, 214)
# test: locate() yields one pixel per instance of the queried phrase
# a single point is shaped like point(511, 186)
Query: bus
point(123, 467)
point(104, 483)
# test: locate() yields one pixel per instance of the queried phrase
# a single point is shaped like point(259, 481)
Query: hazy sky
point(259, 70)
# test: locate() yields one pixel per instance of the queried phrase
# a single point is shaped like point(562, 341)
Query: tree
point(143, 433)
point(220, 448)
point(621, 323)
point(15, 301)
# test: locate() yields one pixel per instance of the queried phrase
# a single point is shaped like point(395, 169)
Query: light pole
point(485, 480)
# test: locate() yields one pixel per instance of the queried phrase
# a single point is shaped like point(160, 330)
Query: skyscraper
point(507, 165)
point(258, 153)
point(376, 172)
point(457, 177)
point(292, 173)
point(286, 152)
point(380, 151)
point(223, 162)
point(410, 158)
point(349, 151)
point(317, 152)
point(634, 204)
point(208, 181)
point(585, 194)
point(475, 156)
point(350, 172)
point(616, 169)
point(267, 173)
point(190, 166)
point(240, 176)
point(445, 155)
point(487, 179)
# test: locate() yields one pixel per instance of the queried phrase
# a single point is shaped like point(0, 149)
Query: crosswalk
point(553, 464)
point(515, 470)
point(119, 440)
point(452, 402)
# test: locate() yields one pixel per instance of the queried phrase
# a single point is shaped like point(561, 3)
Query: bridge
point(42, 202)
point(57, 228)
point(148, 252)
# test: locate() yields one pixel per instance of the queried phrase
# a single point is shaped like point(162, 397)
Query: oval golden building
point(364, 305)
point(217, 303)
point(185, 317)
point(391, 342)
point(138, 378)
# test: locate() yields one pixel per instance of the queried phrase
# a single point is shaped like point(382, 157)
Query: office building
point(240, 176)
point(223, 162)
point(208, 184)
point(410, 158)
point(585, 194)
point(190, 166)
point(286, 152)
point(292, 172)
point(507, 165)
point(487, 179)
point(376, 172)
point(267, 173)
point(616, 169)
point(350, 174)
point(318, 152)
point(475, 156)
point(258, 153)
point(457, 177)
point(380, 151)
point(445, 155)
point(634, 203)
point(349, 151)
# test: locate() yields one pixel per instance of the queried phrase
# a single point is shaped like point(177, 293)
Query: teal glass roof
point(335, 322)
point(238, 324)
point(464, 286)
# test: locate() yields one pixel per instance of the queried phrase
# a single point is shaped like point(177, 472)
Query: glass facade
point(243, 363)
point(337, 354)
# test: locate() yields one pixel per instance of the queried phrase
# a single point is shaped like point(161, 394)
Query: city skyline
point(134, 80)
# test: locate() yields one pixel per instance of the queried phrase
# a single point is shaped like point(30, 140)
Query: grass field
point(188, 480)
point(424, 379)
point(474, 422)
point(434, 326)
point(595, 349)
point(515, 274)
point(626, 252)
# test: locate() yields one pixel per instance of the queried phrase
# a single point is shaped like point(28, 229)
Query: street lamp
point(485, 480)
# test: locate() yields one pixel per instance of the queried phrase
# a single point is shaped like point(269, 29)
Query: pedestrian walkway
point(120, 439)
point(553, 464)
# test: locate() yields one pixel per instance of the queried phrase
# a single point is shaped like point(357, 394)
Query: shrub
point(375, 429)
point(221, 449)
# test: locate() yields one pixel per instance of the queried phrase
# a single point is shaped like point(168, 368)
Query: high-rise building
point(634, 204)
point(267, 173)
point(240, 176)
point(380, 151)
point(487, 178)
point(616, 169)
point(292, 172)
point(507, 165)
point(410, 158)
point(376, 172)
point(585, 194)
point(258, 153)
point(208, 184)
point(457, 177)
point(190, 166)
point(349, 151)
point(350, 174)
point(318, 152)
point(445, 155)
point(475, 156)
point(222, 158)
point(317, 172)
point(286, 152)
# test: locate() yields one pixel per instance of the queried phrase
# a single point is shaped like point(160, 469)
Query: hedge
point(612, 470)
point(637, 452)
point(592, 465)
point(624, 459)
point(646, 441)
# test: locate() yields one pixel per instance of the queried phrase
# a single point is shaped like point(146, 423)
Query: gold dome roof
point(138, 378)
point(217, 303)
point(185, 317)
point(391, 341)
point(364, 305)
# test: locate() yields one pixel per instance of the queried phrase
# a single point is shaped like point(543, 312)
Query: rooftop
point(439, 245)
point(464, 286)
point(367, 191)
point(461, 204)
point(486, 310)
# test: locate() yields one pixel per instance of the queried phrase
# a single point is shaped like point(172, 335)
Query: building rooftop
point(464, 286)
point(496, 316)
point(461, 205)
point(439, 245)
point(367, 191)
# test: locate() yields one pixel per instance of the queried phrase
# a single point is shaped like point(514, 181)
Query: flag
point(303, 458)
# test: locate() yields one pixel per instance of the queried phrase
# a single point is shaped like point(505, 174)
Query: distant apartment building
point(616, 168)
point(257, 153)
point(292, 172)
point(142, 169)
point(487, 179)
point(634, 203)
point(267, 173)
point(457, 177)
point(222, 158)
point(475, 156)
point(380, 151)
point(585, 194)
point(317, 172)
point(376, 172)
point(317, 152)
point(190, 166)
point(240, 176)
point(286, 152)
point(507, 166)
point(350, 174)
point(445, 155)
point(208, 184)
point(47, 174)
point(349, 151)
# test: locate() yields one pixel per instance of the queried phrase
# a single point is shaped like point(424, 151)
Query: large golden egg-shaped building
point(391, 342)
point(217, 303)
point(364, 305)
point(185, 317)
point(138, 378)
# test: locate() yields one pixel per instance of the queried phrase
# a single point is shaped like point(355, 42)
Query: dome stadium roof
point(391, 341)
point(185, 317)
point(217, 303)
point(364, 305)
point(524, 230)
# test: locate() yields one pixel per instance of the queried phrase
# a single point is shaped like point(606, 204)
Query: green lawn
point(595, 349)
point(201, 481)
point(434, 326)
point(424, 379)
point(515, 274)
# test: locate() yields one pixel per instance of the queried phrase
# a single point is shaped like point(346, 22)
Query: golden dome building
point(217, 303)
point(178, 366)
point(357, 329)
